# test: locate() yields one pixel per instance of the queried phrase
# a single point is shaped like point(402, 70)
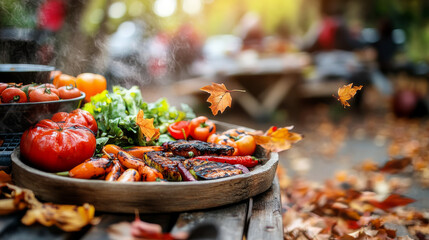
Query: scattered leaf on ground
point(394, 200)
point(396, 165)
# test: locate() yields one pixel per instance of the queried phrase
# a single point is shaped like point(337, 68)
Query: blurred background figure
point(184, 48)
point(251, 31)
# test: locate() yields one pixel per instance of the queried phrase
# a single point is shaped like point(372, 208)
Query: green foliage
point(116, 112)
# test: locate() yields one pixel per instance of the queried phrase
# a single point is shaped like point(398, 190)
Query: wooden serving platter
point(146, 197)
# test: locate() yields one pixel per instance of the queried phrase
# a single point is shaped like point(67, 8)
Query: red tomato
point(13, 95)
point(57, 147)
point(67, 92)
point(77, 116)
point(179, 130)
point(3, 86)
point(43, 95)
point(201, 128)
point(47, 85)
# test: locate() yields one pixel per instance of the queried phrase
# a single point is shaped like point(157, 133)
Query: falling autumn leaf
point(346, 92)
point(276, 139)
point(220, 97)
point(146, 127)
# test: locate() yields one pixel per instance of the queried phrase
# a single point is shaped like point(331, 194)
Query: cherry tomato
point(179, 130)
point(243, 143)
point(46, 85)
point(54, 74)
point(13, 95)
point(77, 116)
point(67, 92)
point(90, 84)
point(57, 147)
point(43, 95)
point(201, 128)
point(28, 88)
point(64, 80)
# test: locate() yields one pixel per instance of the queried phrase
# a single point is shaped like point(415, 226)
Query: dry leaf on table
point(346, 92)
point(220, 97)
point(4, 177)
point(66, 217)
point(139, 229)
point(146, 127)
point(276, 139)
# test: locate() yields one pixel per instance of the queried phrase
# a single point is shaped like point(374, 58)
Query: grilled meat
point(197, 148)
point(166, 165)
point(213, 170)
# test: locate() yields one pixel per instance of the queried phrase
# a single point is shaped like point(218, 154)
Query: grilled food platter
point(147, 197)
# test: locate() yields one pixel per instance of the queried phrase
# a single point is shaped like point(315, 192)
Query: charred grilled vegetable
point(194, 148)
point(213, 170)
point(166, 166)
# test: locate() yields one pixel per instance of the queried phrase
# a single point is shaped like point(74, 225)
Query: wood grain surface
point(146, 197)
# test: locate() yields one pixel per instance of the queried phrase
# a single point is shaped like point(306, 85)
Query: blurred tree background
point(80, 43)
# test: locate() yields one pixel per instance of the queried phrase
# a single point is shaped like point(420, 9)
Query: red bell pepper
point(179, 130)
point(247, 161)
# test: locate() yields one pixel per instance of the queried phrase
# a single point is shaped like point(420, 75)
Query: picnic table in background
point(267, 80)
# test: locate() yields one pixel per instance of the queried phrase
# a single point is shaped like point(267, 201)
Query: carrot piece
point(130, 175)
point(129, 161)
point(138, 151)
point(149, 174)
point(112, 149)
point(116, 171)
point(94, 168)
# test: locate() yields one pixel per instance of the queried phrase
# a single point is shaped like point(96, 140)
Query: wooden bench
point(255, 218)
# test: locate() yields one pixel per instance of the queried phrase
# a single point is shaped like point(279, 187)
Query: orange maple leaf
point(146, 127)
point(276, 139)
point(220, 97)
point(346, 92)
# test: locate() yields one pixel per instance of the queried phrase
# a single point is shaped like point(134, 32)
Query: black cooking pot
point(17, 117)
point(25, 73)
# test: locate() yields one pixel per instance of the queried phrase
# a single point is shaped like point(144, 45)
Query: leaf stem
point(237, 90)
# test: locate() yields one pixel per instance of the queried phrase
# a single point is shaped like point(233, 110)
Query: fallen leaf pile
point(368, 200)
point(66, 217)
point(348, 207)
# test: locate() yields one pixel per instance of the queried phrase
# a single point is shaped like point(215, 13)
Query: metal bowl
point(17, 117)
point(25, 73)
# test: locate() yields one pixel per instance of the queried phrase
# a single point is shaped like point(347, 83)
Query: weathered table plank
point(266, 219)
point(226, 223)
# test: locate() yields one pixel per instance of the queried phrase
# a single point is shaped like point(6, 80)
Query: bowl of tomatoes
point(24, 105)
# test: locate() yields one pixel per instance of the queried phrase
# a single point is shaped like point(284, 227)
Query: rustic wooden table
point(255, 218)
